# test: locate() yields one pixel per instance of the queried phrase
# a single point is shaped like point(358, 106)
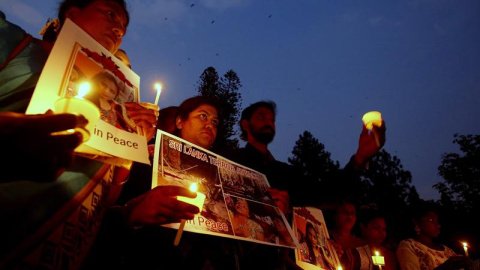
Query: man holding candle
point(257, 126)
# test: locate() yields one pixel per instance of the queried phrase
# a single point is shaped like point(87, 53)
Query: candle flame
point(158, 87)
point(83, 89)
point(377, 253)
point(339, 267)
point(193, 187)
point(465, 245)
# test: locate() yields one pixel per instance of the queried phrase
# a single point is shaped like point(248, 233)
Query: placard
point(237, 203)
point(316, 250)
point(77, 58)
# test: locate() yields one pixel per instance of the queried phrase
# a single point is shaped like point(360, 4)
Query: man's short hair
point(248, 112)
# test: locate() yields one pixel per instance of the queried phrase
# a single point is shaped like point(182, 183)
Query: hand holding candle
point(373, 118)
point(197, 201)
point(378, 260)
point(79, 106)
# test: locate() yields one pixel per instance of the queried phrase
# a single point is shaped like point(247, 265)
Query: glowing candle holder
point(197, 201)
point(78, 105)
point(465, 248)
point(157, 86)
point(378, 260)
point(372, 118)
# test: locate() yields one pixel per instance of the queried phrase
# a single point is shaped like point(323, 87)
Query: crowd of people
point(70, 212)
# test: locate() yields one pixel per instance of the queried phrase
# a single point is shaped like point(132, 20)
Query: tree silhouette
point(226, 91)
point(461, 188)
point(311, 158)
point(460, 192)
point(387, 183)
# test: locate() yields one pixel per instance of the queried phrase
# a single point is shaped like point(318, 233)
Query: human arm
point(369, 143)
point(28, 139)
point(159, 206)
point(454, 263)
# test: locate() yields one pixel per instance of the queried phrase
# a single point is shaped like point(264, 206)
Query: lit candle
point(158, 86)
point(79, 105)
point(372, 118)
point(378, 260)
point(465, 248)
point(339, 267)
point(197, 201)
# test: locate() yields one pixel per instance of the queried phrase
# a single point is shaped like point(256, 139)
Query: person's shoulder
point(406, 243)
point(10, 35)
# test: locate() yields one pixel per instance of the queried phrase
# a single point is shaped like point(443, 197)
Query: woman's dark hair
point(66, 4)
point(368, 213)
point(166, 118)
point(309, 225)
point(420, 209)
point(190, 104)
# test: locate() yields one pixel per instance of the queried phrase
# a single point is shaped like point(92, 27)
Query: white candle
point(79, 105)
point(465, 248)
point(378, 260)
point(197, 201)
point(159, 90)
point(373, 118)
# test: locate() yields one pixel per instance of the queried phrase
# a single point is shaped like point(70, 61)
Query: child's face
point(375, 231)
point(108, 89)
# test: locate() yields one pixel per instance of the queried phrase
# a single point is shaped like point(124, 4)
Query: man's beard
point(263, 136)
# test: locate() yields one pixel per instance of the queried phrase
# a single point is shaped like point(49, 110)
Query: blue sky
point(325, 63)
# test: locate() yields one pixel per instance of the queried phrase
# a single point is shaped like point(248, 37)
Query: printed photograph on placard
point(183, 164)
point(104, 86)
point(250, 186)
point(258, 221)
point(316, 250)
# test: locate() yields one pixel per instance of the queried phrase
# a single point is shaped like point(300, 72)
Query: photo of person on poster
point(106, 93)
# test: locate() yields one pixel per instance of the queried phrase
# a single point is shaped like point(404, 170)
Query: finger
point(147, 117)
point(172, 191)
point(174, 209)
point(62, 143)
point(52, 123)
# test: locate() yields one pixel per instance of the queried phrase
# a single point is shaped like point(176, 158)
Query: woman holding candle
point(373, 230)
point(196, 121)
point(423, 252)
point(82, 191)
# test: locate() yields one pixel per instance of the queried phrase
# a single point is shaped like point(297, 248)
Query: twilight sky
point(325, 63)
